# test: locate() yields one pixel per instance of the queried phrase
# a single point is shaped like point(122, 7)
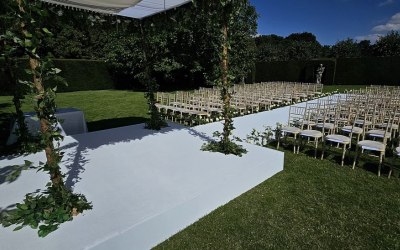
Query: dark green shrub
point(294, 71)
point(361, 71)
point(80, 75)
point(341, 71)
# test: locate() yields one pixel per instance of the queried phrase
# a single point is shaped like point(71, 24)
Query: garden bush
point(80, 75)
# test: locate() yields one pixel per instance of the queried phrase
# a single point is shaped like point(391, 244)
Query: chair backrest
point(312, 115)
point(328, 113)
point(296, 116)
point(390, 114)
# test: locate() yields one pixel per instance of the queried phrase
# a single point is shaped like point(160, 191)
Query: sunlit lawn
point(311, 204)
point(103, 109)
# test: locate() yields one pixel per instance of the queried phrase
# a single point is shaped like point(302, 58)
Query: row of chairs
point(246, 98)
point(370, 118)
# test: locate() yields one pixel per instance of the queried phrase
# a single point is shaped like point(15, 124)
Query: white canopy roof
point(129, 8)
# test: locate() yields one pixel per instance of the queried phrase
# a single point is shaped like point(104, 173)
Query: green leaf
point(66, 217)
point(18, 228)
point(28, 35)
point(33, 205)
point(34, 224)
point(28, 43)
point(46, 216)
point(47, 31)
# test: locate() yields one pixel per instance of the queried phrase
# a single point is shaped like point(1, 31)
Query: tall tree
point(296, 46)
point(388, 45)
point(366, 49)
point(346, 49)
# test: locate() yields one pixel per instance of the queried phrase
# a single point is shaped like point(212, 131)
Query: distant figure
point(320, 72)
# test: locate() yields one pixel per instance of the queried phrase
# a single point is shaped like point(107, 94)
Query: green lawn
point(103, 108)
point(311, 204)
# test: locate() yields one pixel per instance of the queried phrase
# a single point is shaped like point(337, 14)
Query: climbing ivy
point(57, 204)
point(156, 121)
point(226, 21)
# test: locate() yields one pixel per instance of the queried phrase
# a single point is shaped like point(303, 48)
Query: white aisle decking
point(145, 186)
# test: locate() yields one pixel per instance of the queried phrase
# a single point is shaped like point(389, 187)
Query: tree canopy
point(305, 46)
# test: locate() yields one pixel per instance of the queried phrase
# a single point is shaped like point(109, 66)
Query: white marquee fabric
point(130, 8)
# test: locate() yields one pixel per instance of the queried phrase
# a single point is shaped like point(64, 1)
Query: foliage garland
point(57, 204)
point(156, 122)
point(223, 15)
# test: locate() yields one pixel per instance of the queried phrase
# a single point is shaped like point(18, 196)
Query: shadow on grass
point(114, 123)
point(5, 105)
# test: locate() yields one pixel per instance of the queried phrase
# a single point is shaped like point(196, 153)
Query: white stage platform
point(145, 186)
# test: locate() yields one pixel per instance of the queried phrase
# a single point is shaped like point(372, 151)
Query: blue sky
point(329, 20)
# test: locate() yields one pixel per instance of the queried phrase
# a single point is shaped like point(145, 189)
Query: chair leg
point(316, 147)
point(323, 150)
point(344, 153)
point(355, 157)
point(299, 141)
point(294, 143)
point(380, 164)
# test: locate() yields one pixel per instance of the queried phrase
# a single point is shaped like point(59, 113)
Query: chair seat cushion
point(311, 133)
point(362, 122)
point(356, 130)
point(372, 145)
point(309, 123)
point(338, 138)
point(326, 125)
point(292, 130)
point(378, 133)
point(384, 125)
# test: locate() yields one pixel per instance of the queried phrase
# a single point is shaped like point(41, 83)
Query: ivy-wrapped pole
point(45, 125)
point(223, 12)
point(226, 96)
point(156, 122)
point(58, 204)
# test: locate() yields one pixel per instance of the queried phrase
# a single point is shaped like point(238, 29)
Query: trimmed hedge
point(79, 74)
point(294, 71)
point(365, 71)
point(341, 71)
